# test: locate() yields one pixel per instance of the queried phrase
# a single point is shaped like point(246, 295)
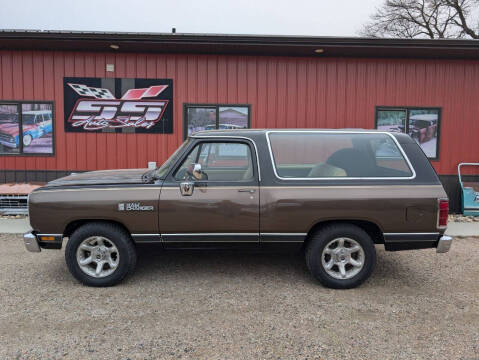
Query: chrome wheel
point(343, 258)
point(97, 256)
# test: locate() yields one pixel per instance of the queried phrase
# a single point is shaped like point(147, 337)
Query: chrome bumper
point(8, 144)
point(31, 242)
point(444, 244)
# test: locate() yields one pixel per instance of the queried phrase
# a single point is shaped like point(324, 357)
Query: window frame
point(217, 107)
point(340, 178)
point(229, 139)
point(19, 104)
point(406, 127)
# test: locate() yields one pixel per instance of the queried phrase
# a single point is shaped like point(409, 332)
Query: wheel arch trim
point(72, 225)
point(370, 227)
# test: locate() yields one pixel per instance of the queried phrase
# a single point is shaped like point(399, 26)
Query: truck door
point(212, 197)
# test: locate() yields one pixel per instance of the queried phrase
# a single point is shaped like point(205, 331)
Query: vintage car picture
point(423, 127)
point(9, 129)
point(36, 123)
point(421, 124)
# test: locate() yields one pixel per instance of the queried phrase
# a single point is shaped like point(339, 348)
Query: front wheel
point(341, 256)
point(100, 254)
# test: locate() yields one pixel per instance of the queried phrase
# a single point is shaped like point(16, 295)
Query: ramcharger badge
point(118, 105)
point(134, 207)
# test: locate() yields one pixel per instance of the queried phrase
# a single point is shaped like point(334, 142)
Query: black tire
point(114, 233)
point(320, 240)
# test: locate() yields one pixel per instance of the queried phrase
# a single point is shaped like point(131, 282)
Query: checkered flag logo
point(80, 89)
point(86, 91)
point(101, 93)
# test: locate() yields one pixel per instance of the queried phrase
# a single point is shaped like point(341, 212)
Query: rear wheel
point(100, 254)
point(341, 256)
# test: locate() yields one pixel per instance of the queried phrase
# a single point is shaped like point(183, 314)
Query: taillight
point(442, 213)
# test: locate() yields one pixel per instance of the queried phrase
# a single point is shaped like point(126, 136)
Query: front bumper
point(444, 244)
point(9, 144)
point(35, 242)
point(31, 242)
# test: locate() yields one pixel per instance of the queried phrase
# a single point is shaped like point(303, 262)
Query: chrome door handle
point(251, 191)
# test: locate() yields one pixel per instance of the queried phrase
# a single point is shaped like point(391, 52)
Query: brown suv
point(333, 193)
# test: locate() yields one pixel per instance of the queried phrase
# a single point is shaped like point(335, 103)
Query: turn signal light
point(443, 213)
point(47, 238)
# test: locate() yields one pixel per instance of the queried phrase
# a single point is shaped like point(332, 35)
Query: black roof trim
point(273, 45)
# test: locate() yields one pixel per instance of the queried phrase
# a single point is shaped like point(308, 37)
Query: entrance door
point(218, 203)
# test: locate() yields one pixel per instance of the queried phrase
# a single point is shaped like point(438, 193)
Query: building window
point(199, 117)
point(422, 124)
point(26, 128)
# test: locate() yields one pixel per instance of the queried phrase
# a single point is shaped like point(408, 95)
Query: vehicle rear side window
point(337, 155)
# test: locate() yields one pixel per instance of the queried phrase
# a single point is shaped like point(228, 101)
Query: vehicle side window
point(228, 161)
point(336, 155)
point(192, 157)
point(388, 155)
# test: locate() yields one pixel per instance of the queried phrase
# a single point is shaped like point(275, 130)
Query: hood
point(124, 176)
point(9, 128)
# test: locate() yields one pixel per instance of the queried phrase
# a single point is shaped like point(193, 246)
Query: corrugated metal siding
point(283, 92)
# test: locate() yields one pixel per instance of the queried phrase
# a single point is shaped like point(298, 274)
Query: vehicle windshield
point(163, 169)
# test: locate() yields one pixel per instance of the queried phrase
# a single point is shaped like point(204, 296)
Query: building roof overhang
point(267, 45)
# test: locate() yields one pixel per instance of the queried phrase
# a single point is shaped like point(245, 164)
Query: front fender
point(52, 210)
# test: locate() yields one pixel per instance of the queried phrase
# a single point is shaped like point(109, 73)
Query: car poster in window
point(37, 126)
point(423, 127)
point(422, 124)
point(118, 105)
point(9, 129)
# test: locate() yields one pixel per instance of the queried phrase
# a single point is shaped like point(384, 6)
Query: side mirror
point(194, 170)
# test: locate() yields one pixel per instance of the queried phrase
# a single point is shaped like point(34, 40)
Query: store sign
point(118, 105)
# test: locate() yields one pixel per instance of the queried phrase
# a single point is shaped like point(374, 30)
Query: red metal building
point(275, 82)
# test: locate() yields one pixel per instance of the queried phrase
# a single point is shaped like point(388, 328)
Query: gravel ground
point(240, 305)
point(462, 218)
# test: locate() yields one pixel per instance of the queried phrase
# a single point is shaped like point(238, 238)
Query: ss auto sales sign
point(118, 105)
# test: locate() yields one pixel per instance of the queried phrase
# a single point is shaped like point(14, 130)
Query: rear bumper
point(444, 244)
point(34, 243)
point(414, 241)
